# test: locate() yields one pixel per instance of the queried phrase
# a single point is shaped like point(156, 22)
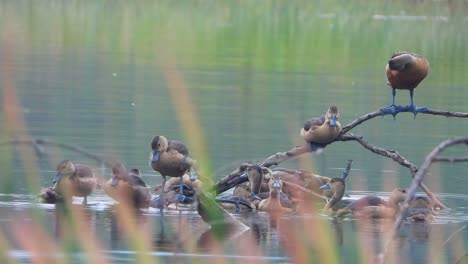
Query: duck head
point(64, 168)
point(158, 144)
point(398, 195)
point(338, 186)
point(119, 172)
point(332, 115)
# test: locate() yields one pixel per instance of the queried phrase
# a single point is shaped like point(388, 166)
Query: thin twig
point(36, 142)
point(423, 169)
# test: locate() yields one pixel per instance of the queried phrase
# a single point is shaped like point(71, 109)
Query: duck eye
point(403, 191)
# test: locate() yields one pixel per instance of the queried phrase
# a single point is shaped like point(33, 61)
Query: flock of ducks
point(277, 191)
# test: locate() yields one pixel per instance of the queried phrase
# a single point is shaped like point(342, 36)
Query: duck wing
point(136, 180)
point(178, 146)
point(314, 122)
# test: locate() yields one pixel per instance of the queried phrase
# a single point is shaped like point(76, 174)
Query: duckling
point(273, 203)
point(374, 206)
point(170, 158)
point(420, 209)
point(338, 187)
point(127, 187)
point(318, 132)
point(74, 180)
point(405, 71)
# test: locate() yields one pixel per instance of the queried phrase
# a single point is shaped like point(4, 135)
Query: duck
point(49, 195)
point(338, 187)
point(128, 187)
point(420, 209)
point(374, 206)
point(273, 203)
point(308, 180)
point(405, 70)
point(320, 131)
point(170, 158)
point(74, 180)
point(247, 194)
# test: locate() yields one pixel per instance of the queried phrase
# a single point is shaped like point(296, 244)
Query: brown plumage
point(74, 180)
point(420, 209)
point(170, 158)
point(322, 130)
point(405, 70)
point(338, 187)
point(273, 204)
point(374, 206)
point(127, 187)
point(308, 180)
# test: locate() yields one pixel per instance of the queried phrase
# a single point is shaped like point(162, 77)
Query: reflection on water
point(175, 232)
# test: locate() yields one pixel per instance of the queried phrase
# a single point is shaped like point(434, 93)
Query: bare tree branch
point(424, 168)
point(38, 142)
point(450, 159)
point(377, 113)
point(394, 155)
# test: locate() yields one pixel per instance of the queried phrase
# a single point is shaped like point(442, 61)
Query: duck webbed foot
point(237, 201)
point(185, 189)
point(179, 198)
point(395, 109)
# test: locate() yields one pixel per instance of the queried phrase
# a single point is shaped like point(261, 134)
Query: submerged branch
point(424, 168)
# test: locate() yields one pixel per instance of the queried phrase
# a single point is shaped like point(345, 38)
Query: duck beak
point(155, 156)
point(192, 175)
point(114, 181)
point(325, 186)
point(57, 178)
point(276, 184)
point(254, 197)
point(333, 120)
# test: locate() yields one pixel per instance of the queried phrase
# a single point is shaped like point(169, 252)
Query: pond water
point(78, 74)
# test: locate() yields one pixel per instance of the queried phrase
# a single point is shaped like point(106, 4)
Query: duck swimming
point(374, 206)
point(320, 131)
point(74, 180)
point(405, 70)
point(338, 187)
point(420, 209)
point(170, 158)
point(273, 204)
point(128, 187)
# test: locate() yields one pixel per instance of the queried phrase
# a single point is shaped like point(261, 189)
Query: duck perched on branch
point(74, 180)
point(320, 131)
point(405, 70)
point(170, 158)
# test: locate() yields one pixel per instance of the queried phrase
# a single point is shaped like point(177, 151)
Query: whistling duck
point(170, 158)
point(338, 187)
point(127, 187)
point(374, 206)
point(405, 71)
point(318, 132)
point(273, 204)
point(74, 180)
point(420, 209)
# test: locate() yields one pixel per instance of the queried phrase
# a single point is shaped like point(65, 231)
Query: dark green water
point(90, 75)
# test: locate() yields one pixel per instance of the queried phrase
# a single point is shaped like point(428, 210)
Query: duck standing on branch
point(318, 132)
point(405, 71)
point(74, 180)
point(170, 158)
